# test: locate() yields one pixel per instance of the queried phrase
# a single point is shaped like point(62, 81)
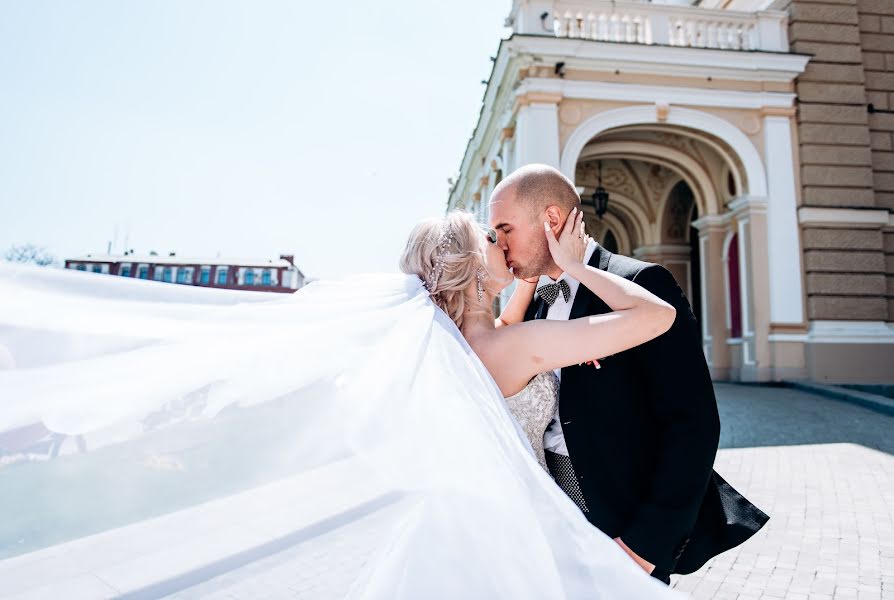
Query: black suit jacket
point(642, 433)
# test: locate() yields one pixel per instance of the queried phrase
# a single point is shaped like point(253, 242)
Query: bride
point(353, 440)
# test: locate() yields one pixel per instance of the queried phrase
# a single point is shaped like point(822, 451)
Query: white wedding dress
point(342, 442)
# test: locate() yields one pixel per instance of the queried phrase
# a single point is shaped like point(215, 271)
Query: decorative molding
point(778, 111)
point(676, 250)
point(646, 94)
point(809, 216)
point(787, 337)
point(850, 332)
point(699, 63)
point(661, 111)
point(536, 97)
point(711, 222)
point(748, 204)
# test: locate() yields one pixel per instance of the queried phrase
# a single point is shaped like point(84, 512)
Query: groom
point(633, 441)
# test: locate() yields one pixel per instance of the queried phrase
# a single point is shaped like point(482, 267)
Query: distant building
point(279, 275)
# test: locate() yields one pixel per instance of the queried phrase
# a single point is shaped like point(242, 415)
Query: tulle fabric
point(122, 401)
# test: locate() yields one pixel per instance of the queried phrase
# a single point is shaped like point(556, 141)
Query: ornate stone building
point(745, 146)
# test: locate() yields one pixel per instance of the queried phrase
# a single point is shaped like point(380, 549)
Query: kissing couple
point(383, 436)
point(599, 358)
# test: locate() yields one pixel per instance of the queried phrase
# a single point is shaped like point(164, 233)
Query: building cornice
point(662, 60)
point(649, 94)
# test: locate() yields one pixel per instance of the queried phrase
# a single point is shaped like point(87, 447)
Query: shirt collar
point(572, 283)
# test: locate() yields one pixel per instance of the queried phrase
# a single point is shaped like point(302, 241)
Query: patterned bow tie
point(550, 291)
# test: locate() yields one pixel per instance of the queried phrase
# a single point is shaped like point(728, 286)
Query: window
point(222, 276)
point(159, 273)
point(97, 268)
point(143, 272)
point(125, 271)
point(265, 278)
point(82, 267)
point(166, 276)
point(184, 275)
point(205, 277)
point(249, 278)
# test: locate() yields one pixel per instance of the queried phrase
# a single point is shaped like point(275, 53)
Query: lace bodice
point(534, 407)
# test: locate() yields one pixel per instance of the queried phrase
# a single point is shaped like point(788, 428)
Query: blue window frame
point(265, 278)
point(166, 275)
point(125, 271)
point(205, 277)
point(143, 273)
point(181, 275)
point(249, 278)
point(97, 268)
point(221, 277)
point(81, 267)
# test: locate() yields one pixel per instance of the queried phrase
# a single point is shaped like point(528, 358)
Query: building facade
point(744, 145)
point(269, 276)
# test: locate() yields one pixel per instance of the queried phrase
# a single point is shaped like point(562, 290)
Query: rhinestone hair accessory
point(437, 269)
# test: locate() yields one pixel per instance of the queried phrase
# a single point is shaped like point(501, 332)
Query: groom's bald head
point(536, 187)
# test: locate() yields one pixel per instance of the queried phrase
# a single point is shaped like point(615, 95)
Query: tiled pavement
point(822, 469)
point(824, 472)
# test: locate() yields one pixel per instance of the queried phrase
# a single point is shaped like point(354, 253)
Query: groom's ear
point(554, 217)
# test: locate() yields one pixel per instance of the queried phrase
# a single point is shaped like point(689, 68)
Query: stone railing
point(662, 24)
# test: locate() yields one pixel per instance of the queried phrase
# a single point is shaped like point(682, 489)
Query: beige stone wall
point(877, 41)
point(847, 154)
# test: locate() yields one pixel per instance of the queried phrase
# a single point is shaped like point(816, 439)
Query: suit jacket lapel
point(584, 296)
point(541, 308)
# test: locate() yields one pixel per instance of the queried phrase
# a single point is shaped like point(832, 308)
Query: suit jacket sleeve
point(678, 388)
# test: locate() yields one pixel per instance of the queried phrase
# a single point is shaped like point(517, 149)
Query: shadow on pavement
point(752, 415)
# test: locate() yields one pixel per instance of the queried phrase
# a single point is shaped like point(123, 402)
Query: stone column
point(786, 286)
point(712, 231)
point(537, 129)
point(750, 217)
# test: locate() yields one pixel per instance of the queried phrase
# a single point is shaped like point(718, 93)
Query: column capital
point(778, 111)
point(536, 98)
point(746, 205)
point(666, 250)
point(710, 223)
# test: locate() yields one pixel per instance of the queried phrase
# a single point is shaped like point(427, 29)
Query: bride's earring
point(480, 275)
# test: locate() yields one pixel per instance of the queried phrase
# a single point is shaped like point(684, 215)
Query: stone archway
point(661, 182)
point(685, 120)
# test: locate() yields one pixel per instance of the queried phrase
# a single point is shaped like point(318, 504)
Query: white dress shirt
point(553, 438)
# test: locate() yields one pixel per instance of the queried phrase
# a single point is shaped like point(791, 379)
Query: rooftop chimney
point(288, 257)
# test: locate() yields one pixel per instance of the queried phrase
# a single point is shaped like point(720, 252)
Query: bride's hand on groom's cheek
point(571, 244)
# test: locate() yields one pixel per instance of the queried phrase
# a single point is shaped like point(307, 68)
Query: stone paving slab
point(824, 472)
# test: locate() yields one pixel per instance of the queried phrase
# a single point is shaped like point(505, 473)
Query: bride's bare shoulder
point(506, 356)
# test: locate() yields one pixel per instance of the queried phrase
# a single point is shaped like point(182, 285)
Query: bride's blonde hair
point(446, 253)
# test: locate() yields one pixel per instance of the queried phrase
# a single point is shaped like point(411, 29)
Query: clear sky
point(249, 128)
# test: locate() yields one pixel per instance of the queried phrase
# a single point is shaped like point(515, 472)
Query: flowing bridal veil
point(343, 441)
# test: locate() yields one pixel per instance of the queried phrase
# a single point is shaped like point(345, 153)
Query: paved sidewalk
point(824, 472)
